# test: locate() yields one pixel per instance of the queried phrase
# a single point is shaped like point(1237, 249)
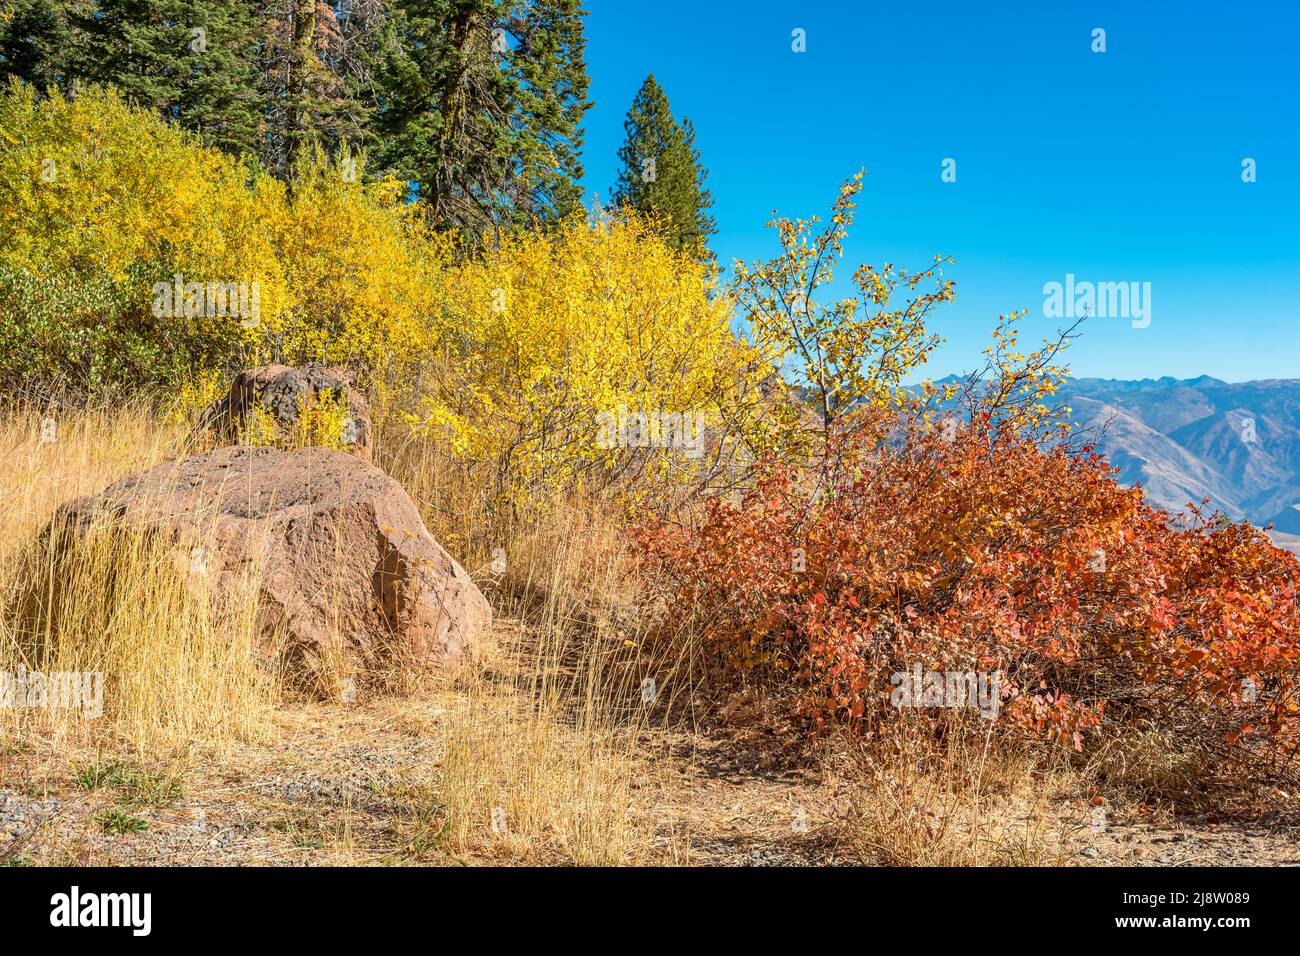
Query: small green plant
point(260, 427)
point(134, 787)
point(148, 788)
point(323, 422)
point(305, 831)
point(97, 775)
point(117, 822)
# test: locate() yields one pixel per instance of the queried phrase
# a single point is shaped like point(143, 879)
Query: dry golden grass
point(550, 732)
point(968, 799)
point(173, 672)
point(540, 734)
point(90, 448)
point(562, 742)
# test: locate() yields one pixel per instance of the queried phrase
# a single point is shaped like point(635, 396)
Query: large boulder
point(349, 582)
point(284, 393)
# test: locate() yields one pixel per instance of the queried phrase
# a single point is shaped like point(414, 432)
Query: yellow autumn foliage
point(131, 254)
point(91, 184)
point(365, 269)
point(106, 209)
point(551, 342)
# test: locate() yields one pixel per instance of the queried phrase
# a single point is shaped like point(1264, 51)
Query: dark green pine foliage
point(35, 37)
point(321, 64)
point(484, 110)
point(193, 62)
point(662, 174)
point(548, 85)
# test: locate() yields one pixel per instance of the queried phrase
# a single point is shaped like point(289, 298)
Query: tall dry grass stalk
point(124, 604)
point(456, 511)
point(967, 798)
point(80, 452)
point(548, 740)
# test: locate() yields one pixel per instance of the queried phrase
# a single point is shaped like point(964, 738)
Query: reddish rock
point(285, 391)
point(350, 582)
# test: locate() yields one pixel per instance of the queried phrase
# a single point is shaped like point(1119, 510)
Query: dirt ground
point(349, 785)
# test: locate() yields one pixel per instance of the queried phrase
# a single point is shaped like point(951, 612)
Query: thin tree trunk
point(296, 86)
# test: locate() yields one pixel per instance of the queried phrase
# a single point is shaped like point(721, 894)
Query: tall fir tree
point(35, 39)
point(480, 102)
point(320, 65)
point(191, 61)
point(484, 109)
point(662, 173)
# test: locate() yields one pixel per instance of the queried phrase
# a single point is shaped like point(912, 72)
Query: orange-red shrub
point(982, 549)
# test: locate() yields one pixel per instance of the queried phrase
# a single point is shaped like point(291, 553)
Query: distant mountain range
point(1188, 439)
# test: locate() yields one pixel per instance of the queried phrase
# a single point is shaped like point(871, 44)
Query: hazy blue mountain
point(1236, 443)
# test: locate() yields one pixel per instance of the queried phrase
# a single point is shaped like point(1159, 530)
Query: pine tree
point(35, 37)
point(662, 173)
point(190, 61)
point(484, 109)
point(319, 63)
point(548, 82)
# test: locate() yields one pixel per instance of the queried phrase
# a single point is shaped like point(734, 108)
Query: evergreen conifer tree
point(662, 173)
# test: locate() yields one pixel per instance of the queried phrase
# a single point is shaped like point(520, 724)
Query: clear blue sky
point(1115, 166)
